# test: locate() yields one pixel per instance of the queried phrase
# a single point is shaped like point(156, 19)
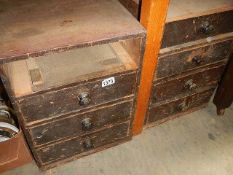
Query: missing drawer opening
point(57, 69)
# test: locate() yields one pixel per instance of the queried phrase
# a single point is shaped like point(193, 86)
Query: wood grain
point(32, 28)
point(175, 63)
point(44, 106)
point(152, 10)
point(183, 31)
point(75, 146)
point(186, 83)
point(69, 126)
point(160, 112)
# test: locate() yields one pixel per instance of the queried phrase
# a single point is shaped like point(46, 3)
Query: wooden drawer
point(80, 124)
point(159, 112)
point(85, 145)
point(133, 6)
point(176, 63)
point(186, 30)
point(84, 95)
point(186, 84)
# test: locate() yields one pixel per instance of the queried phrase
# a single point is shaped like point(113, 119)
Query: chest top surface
point(31, 28)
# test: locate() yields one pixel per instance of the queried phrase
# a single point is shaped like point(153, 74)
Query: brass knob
point(87, 144)
point(206, 28)
point(84, 98)
point(197, 60)
point(182, 106)
point(154, 97)
point(190, 85)
point(86, 124)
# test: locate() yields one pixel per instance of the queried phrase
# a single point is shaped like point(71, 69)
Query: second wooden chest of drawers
point(196, 46)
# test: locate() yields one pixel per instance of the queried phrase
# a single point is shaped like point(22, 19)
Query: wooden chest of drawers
point(196, 46)
point(72, 74)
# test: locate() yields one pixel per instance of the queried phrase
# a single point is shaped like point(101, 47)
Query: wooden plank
point(32, 28)
point(153, 19)
point(191, 29)
point(34, 71)
point(19, 77)
point(179, 9)
point(124, 56)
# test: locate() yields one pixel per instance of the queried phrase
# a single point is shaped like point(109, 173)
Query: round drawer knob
point(197, 60)
point(206, 28)
point(86, 124)
point(88, 144)
point(154, 97)
point(84, 99)
point(182, 106)
point(190, 85)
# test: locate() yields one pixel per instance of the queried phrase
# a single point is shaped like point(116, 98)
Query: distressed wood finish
point(186, 84)
point(44, 106)
point(31, 28)
point(151, 11)
point(81, 123)
point(182, 31)
point(178, 10)
point(133, 6)
point(182, 105)
point(196, 46)
point(174, 63)
point(52, 116)
point(76, 146)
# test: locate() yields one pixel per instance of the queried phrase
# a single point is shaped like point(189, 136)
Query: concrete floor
point(197, 144)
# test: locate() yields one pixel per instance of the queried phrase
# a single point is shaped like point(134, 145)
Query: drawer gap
point(58, 69)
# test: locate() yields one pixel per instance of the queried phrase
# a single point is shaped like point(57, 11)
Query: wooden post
point(153, 17)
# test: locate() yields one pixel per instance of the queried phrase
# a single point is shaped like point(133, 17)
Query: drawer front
point(157, 113)
point(74, 147)
point(180, 62)
point(132, 5)
point(81, 124)
point(179, 32)
point(187, 84)
point(50, 104)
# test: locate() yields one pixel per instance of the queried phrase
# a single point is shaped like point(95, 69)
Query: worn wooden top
point(183, 9)
point(32, 28)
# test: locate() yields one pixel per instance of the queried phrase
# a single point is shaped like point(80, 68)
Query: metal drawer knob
point(206, 28)
point(86, 124)
point(190, 85)
point(182, 107)
point(87, 144)
point(197, 60)
point(84, 99)
point(154, 97)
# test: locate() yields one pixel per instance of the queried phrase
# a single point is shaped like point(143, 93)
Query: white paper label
point(108, 81)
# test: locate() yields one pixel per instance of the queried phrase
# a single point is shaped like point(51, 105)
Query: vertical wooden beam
point(153, 16)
